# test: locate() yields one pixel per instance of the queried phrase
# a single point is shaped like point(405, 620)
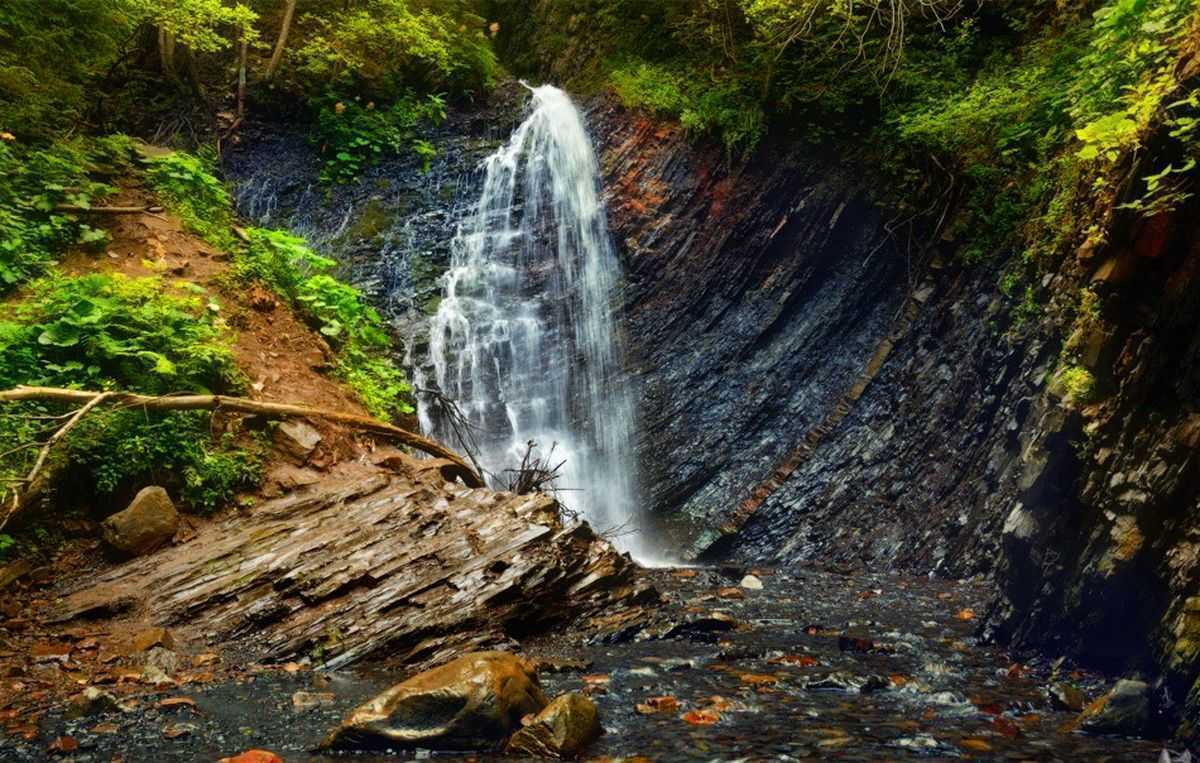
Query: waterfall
point(524, 339)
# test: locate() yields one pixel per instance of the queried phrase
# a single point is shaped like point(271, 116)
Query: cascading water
point(524, 338)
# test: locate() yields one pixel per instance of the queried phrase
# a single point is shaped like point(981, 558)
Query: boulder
point(148, 522)
point(562, 730)
point(297, 439)
point(474, 702)
point(1124, 710)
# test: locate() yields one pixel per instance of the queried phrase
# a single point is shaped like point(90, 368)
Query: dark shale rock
point(472, 703)
point(148, 522)
point(563, 729)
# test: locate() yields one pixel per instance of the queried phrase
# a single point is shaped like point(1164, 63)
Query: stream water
point(816, 665)
point(524, 340)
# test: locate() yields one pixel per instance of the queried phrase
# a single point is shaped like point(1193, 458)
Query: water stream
point(524, 340)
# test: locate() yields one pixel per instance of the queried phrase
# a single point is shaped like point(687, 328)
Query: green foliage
point(1078, 384)
point(113, 332)
point(721, 110)
point(287, 265)
point(383, 47)
point(278, 260)
point(33, 182)
point(121, 448)
point(50, 52)
point(204, 26)
point(110, 331)
point(353, 137)
point(188, 185)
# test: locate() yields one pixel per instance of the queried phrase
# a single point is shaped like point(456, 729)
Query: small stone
point(91, 702)
point(1064, 696)
point(152, 637)
point(551, 665)
point(178, 730)
point(306, 700)
point(297, 439)
point(63, 745)
point(149, 522)
point(752, 583)
point(562, 730)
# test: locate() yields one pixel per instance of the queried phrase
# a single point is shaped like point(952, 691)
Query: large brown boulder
point(562, 730)
point(148, 522)
point(472, 703)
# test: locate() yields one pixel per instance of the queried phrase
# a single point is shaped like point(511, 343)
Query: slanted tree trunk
point(166, 52)
point(241, 87)
point(281, 43)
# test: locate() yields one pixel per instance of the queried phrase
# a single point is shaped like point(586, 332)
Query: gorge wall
point(816, 382)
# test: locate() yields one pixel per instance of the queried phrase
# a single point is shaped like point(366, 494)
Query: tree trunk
point(166, 52)
point(241, 88)
point(284, 28)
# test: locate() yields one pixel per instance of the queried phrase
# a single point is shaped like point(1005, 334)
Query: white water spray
point(524, 338)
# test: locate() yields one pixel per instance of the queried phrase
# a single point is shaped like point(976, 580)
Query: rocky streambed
point(736, 663)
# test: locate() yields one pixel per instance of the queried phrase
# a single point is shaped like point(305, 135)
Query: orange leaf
point(702, 717)
point(976, 745)
point(966, 614)
point(756, 679)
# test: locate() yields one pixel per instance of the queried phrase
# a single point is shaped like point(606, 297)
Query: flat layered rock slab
point(381, 565)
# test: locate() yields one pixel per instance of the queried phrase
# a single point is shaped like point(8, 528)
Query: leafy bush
point(188, 185)
point(278, 260)
point(33, 183)
point(353, 137)
point(103, 331)
point(122, 448)
point(384, 47)
point(114, 332)
point(720, 110)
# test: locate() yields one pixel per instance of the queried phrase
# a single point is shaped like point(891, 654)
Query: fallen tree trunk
point(399, 565)
point(133, 210)
point(38, 478)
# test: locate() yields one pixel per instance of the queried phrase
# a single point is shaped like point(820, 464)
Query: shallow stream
point(815, 665)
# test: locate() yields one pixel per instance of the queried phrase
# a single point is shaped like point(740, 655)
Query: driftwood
point(399, 565)
point(38, 478)
point(133, 210)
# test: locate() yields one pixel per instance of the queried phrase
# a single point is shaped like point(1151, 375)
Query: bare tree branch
point(38, 478)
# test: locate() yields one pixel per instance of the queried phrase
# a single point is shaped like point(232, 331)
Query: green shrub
point(122, 448)
point(353, 137)
point(285, 264)
point(719, 110)
point(113, 332)
point(278, 260)
point(188, 185)
point(110, 331)
point(33, 182)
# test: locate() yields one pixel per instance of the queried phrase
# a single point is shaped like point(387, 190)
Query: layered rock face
point(813, 385)
point(1101, 557)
